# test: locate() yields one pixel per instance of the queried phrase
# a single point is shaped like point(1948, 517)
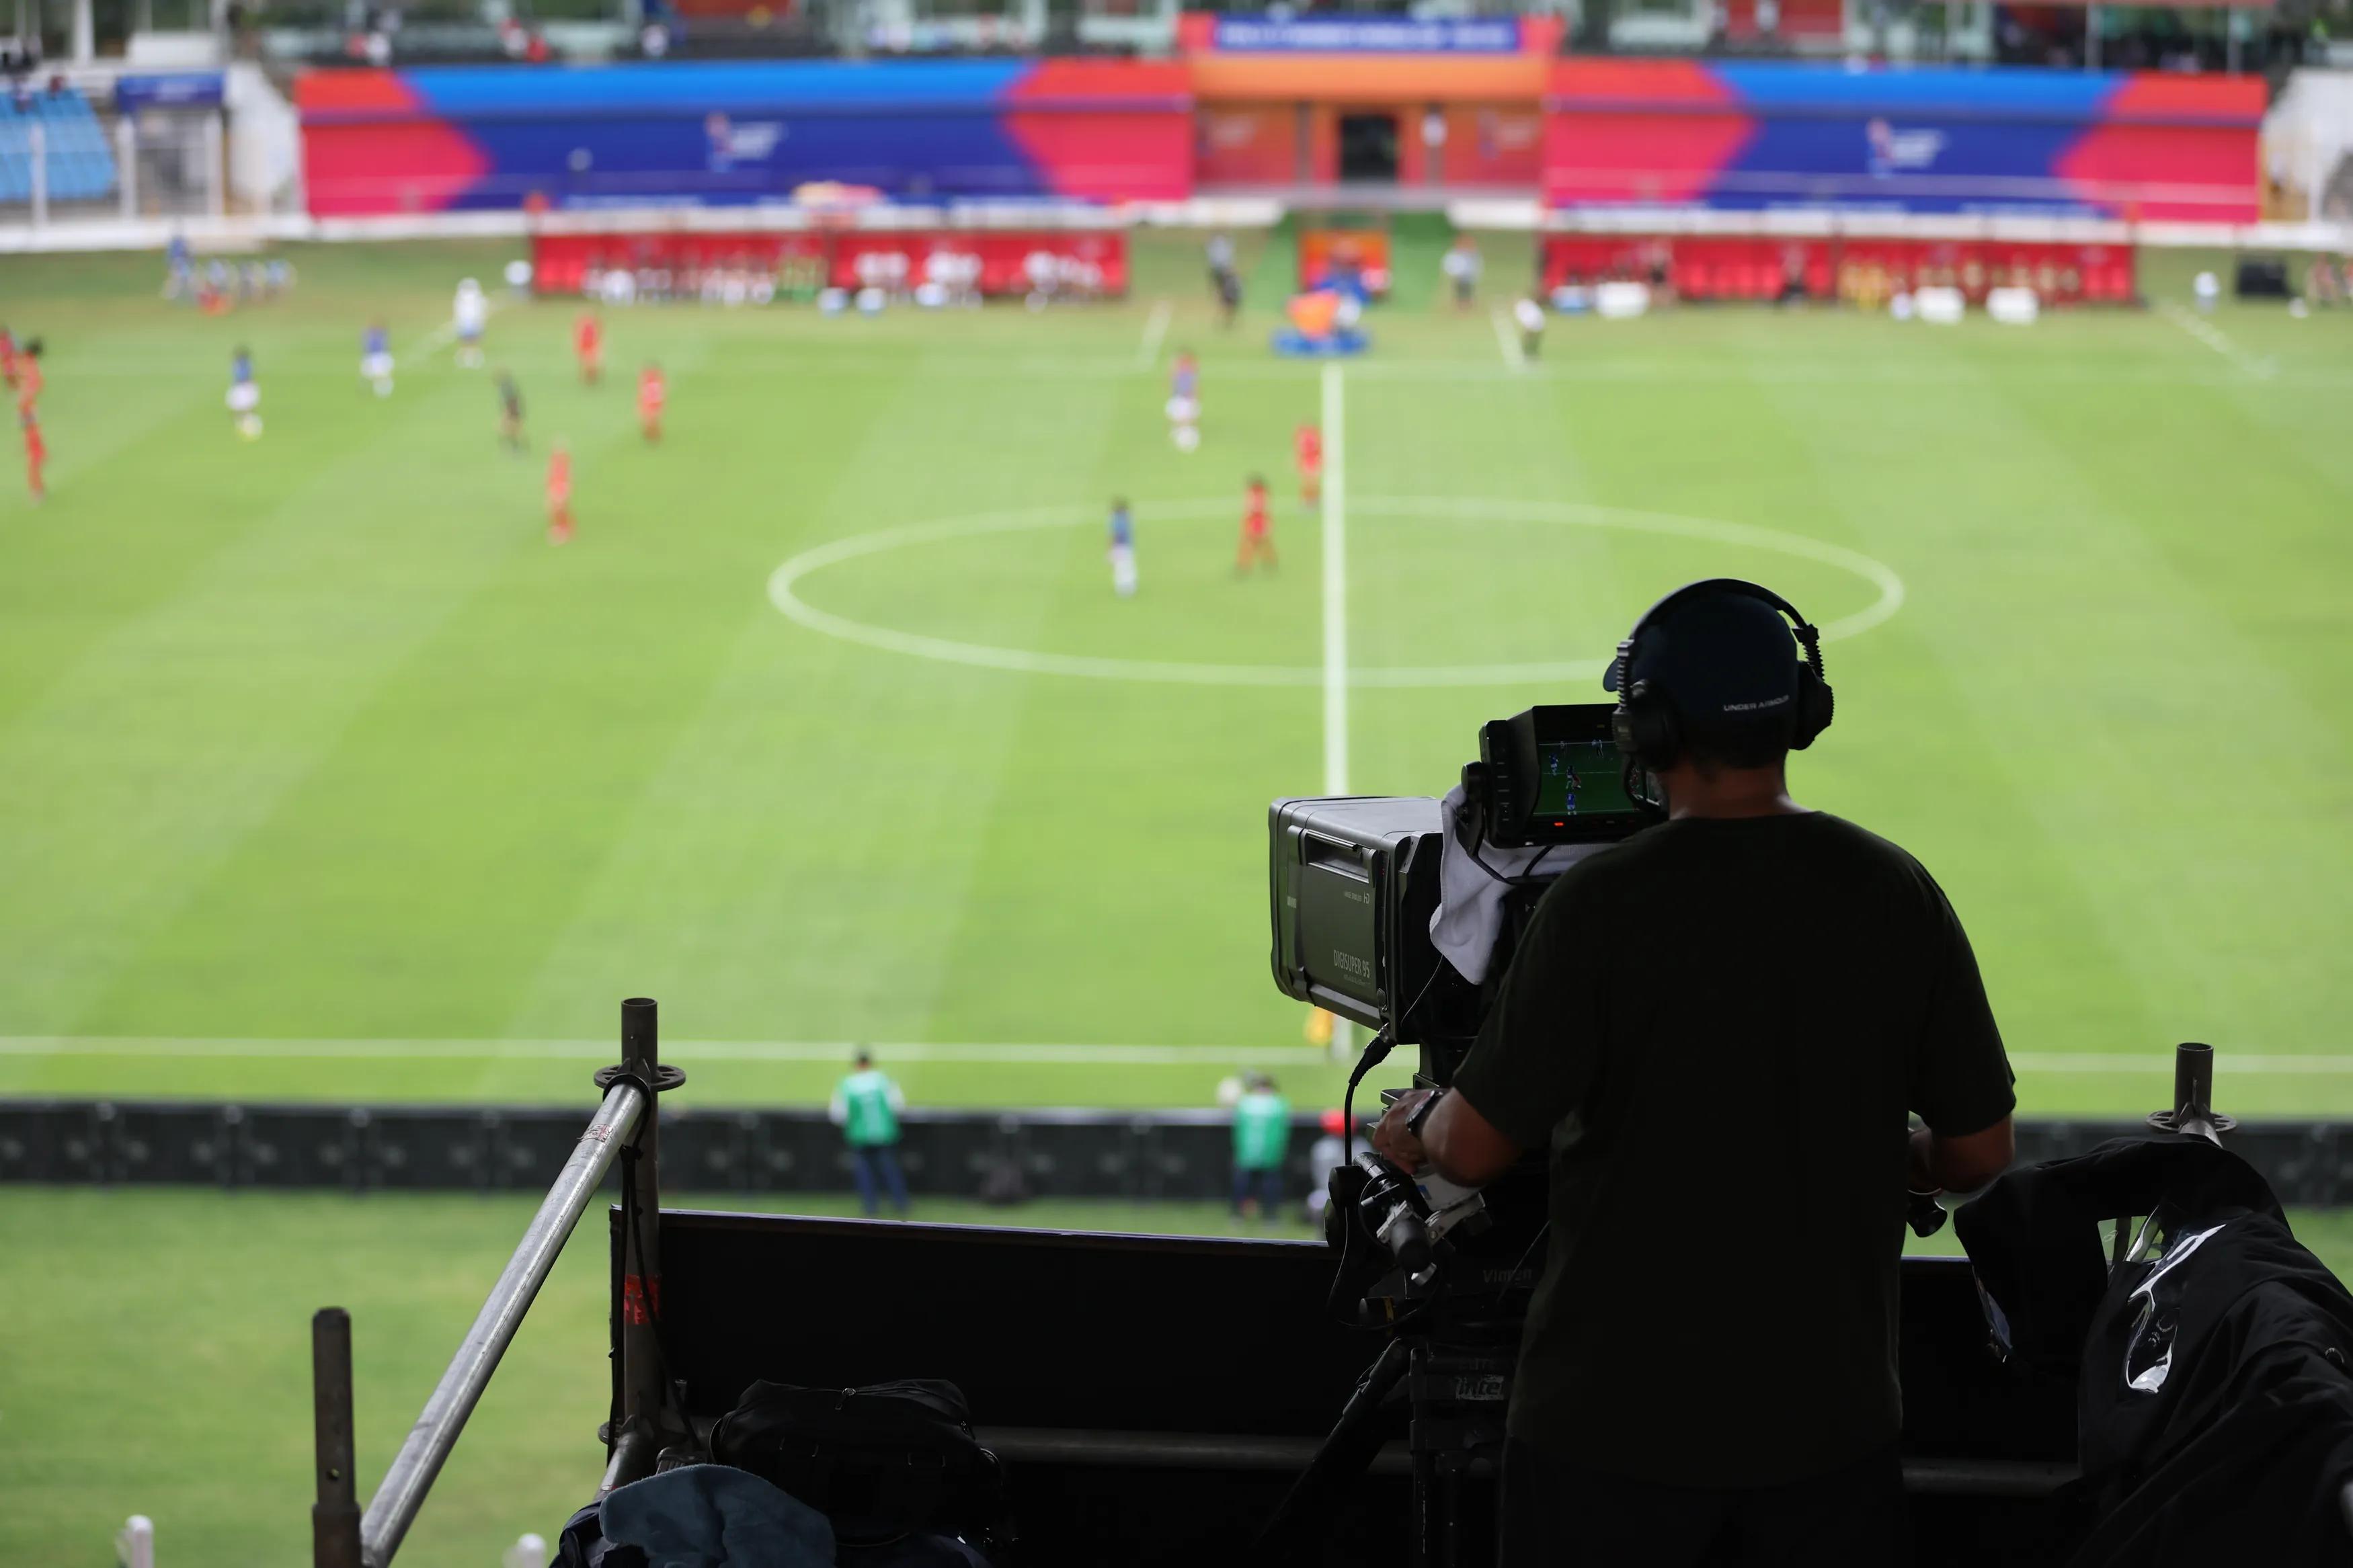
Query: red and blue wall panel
point(437, 138)
point(1760, 135)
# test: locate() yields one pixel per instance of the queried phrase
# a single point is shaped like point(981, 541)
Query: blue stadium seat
point(81, 162)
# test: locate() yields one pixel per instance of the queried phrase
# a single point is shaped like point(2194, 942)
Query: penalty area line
point(1507, 340)
point(1155, 328)
point(2214, 338)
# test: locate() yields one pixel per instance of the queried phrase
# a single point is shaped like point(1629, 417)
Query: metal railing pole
point(394, 1508)
point(335, 1517)
point(641, 1385)
point(126, 164)
point(36, 145)
point(216, 168)
point(644, 1426)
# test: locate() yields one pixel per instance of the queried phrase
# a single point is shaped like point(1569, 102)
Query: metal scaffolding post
point(126, 164)
point(643, 1426)
point(37, 148)
point(371, 1540)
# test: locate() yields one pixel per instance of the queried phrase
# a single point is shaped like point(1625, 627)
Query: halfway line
point(1156, 327)
point(1335, 587)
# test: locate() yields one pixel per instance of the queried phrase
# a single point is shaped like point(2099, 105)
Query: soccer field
point(323, 774)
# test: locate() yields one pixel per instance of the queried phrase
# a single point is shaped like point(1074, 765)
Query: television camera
point(1357, 885)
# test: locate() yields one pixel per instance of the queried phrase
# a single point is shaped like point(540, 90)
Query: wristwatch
point(1421, 1114)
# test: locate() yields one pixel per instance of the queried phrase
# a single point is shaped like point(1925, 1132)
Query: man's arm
point(1961, 1165)
point(1457, 1143)
point(1960, 1076)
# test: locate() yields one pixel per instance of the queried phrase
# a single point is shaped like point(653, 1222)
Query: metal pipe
point(394, 1508)
point(643, 1398)
point(635, 1452)
point(215, 167)
point(126, 164)
point(2193, 1080)
point(37, 143)
point(335, 1517)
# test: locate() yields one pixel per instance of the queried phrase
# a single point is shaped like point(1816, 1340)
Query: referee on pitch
point(1730, 1013)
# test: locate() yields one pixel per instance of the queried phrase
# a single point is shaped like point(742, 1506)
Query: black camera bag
point(889, 1459)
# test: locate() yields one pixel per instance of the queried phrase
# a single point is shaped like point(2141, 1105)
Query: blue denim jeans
point(876, 1166)
point(1268, 1184)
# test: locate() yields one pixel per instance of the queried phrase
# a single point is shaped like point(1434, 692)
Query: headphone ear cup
point(1816, 704)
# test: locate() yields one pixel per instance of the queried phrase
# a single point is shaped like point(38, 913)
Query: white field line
point(127, 1046)
point(782, 591)
point(1155, 328)
point(2214, 338)
point(2092, 1063)
point(442, 336)
point(1336, 585)
point(1507, 339)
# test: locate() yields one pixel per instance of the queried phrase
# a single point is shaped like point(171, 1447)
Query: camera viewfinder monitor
point(1556, 776)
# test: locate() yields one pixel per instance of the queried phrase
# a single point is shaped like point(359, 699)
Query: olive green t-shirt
point(1717, 1028)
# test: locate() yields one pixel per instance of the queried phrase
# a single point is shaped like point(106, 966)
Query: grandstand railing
point(66, 164)
point(345, 1536)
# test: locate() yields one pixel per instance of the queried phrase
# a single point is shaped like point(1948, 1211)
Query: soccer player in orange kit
point(1258, 544)
point(588, 344)
point(1308, 444)
point(559, 494)
point(653, 393)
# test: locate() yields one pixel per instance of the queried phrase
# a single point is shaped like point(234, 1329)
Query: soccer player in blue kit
point(1123, 550)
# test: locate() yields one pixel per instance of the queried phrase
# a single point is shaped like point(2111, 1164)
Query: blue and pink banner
point(440, 139)
point(1756, 136)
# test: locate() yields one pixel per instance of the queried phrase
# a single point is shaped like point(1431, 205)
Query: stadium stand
point(78, 162)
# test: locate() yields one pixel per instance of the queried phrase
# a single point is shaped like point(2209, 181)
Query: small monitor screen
point(1580, 778)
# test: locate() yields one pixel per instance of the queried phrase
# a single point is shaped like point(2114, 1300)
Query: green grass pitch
point(160, 1362)
point(315, 738)
point(323, 776)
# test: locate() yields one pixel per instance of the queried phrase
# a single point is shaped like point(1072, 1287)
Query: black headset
point(1645, 725)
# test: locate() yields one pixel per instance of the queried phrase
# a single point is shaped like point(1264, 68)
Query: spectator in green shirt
point(1261, 1139)
point(866, 1107)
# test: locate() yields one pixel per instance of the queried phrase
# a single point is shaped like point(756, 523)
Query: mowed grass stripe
point(1430, 593)
point(406, 918)
point(1079, 902)
point(796, 838)
point(2117, 691)
point(2182, 685)
point(775, 867)
point(169, 740)
point(1911, 756)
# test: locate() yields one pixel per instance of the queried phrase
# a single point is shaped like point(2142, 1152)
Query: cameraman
point(1719, 1027)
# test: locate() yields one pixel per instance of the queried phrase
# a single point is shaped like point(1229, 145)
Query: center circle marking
point(785, 581)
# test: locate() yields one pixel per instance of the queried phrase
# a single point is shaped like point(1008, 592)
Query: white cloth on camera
point(1470, 913)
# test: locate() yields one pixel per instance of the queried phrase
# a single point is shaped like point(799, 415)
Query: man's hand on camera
point(1453, 1139)
point(1394, 1140)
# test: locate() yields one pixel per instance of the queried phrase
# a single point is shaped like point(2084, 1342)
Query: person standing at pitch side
point(866, 1107)
point(1745, 998)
